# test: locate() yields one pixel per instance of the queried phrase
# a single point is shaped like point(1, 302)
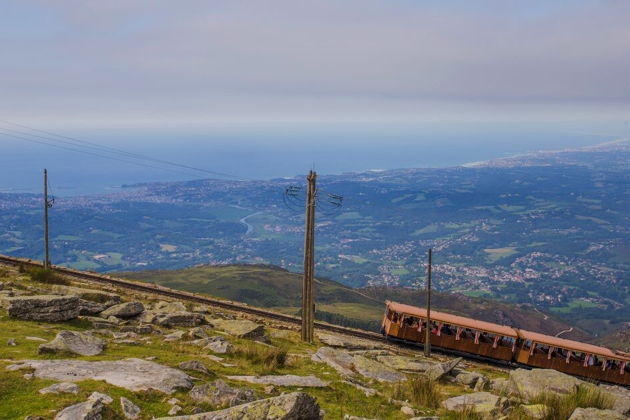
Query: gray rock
point(163, 306)
point(48, 308)
point(175, 410)
point(294, 406)
point(283, 380)
point(500, 386)
point(88, 410)
point(595, 414)
point(132, 374)
point(197, 332)
point(241, 328)
point(334, 340)
point(220, 394)
point(376, 370)
point(174, 336)
point(61, 388)
point(482, 384)
point(178, 319)
point(129, 409)
point(467, 378)
point(138, 329)
point(124, 310)
point(11, 342)
point(99, 323)
point(408, 411)
point(337, 359)
point(73, 342)
point(620, 396)
point(528, 384)
point(405, 364)
point(218, 344)
point(195, 365)
point(87, 307)
point(438, 370)
point(31, 338)
point(99, 396)
point(483, 403)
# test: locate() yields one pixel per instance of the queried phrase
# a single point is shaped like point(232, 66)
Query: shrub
point(43, 275)
point(560, 407)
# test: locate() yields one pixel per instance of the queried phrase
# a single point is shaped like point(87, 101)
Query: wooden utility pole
point(308, 303)
point(427, 330)
point(46, 205)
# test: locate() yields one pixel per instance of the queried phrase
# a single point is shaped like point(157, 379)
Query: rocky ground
point(74, 352)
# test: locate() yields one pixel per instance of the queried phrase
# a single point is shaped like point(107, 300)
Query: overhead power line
point(95, 147)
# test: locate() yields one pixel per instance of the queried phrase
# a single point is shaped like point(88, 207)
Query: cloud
point(225, 60)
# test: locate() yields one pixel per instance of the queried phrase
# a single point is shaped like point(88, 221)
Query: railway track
point(191, 297)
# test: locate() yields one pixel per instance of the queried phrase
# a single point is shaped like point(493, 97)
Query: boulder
point(138, 329)
point(405, 364)
point(220, 394)
point(73, 342)
point(346, 342)
point(294, 406)
point(48, 308)
point(528, 384)
point(218, 344)
point(337, 359)
point(174, 336)
point(88, 410)
point(241, 328)
point(620, 396)
point(178, 319)
point(408, 411)
point(500, 386)
point(197, 332)
point(283, 380)
point(129, 409)
point(87, 307)
point(163, 306)
point(595, 414)
point(438, 370)
point(124, 310)
point(483, 403)
point(61, 388)
point(468, 378)
point(195, 365)
point(132, 374)
point(99, 323)
point(376, 370)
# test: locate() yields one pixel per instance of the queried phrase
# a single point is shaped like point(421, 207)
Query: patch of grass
point(559, 407)
point(270, 358)
point(420, 391)
point(43, 275)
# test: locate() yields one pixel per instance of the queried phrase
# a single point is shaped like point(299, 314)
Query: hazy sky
point(74, 63)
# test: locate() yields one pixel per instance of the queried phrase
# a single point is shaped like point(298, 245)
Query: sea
point(102, 160)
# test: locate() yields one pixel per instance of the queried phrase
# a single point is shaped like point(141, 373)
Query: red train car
point(507, 344)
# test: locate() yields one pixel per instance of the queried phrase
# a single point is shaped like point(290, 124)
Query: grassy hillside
point(274, 287)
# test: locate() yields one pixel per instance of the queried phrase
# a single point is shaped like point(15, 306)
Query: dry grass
point(42, 275)
point(468, 413)
point(560, 407)
point(419, 391)
point(270, 358)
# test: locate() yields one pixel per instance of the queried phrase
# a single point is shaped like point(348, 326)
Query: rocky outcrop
point(595, 414)
point(218, 344)
point(92, 409)
point(241, 328)
point(124, 310)
point(283, 380)
point(620, 397)
point(528, 384)
point(220, 394)
point(376, 370)
point(61, 388)
point(132, 374)
point(129, 409)
point(195, 365)
point(73, 342)
point(294, 406)
point(163, 306)
point(483, 403)
point(438, 370)
point(173, 319)
point(49, 308)
point(346, 342)
point(405, 364)
point(339, 360)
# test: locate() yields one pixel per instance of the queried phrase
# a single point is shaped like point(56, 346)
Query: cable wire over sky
point(77, 145)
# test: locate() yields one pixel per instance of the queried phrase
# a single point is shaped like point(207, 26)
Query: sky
point(76, 65)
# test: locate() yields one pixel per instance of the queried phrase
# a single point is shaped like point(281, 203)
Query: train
point(505, 344)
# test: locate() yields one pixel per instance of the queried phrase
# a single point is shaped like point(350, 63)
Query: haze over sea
point(277, 150)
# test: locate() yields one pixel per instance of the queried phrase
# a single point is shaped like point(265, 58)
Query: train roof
point(572, 345)
point(453, 319)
